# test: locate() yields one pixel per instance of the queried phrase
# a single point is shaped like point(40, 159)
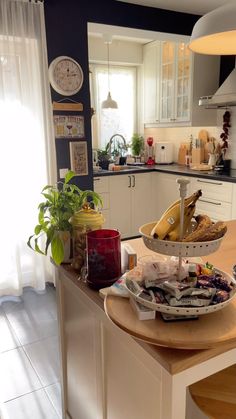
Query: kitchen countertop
point(172, 169)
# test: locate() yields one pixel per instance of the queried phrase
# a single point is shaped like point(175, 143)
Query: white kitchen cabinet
point(181, 79)
point(151, 82)
point(216, 199)
point(165, 190)
point(101, 186)
point(176, 73)
point(233, 214)
point(130, 202)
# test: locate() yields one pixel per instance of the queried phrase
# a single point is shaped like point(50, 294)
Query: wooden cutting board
point(203, 136)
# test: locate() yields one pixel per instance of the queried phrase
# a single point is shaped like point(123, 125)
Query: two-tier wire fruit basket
point(182, 249)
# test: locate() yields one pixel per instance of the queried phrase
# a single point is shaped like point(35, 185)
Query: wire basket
point(182, 249)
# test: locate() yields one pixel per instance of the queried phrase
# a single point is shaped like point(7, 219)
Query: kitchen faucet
point(117, 148)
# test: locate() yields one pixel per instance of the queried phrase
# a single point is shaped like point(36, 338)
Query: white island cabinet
point(107, 374)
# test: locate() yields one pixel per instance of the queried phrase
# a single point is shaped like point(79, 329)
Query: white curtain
point(27, 157)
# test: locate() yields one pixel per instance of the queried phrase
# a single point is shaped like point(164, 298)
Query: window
point(122, 121)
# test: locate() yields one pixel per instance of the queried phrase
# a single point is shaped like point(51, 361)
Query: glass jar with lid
point(83, 221)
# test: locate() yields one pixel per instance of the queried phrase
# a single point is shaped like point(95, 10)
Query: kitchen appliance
point(225, 95)
point(150, 158)
point(164, 152)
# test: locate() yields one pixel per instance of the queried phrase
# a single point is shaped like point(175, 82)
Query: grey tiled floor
point(29, 357)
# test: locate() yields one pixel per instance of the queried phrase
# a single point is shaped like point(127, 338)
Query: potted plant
point(137, 144)
point(104, 157)
point(60, 203)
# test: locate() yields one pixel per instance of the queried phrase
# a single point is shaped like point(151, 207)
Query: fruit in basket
point(203, 222)
point(214, 232)
point(174, 235)
point(170, 220)
point(206, 230)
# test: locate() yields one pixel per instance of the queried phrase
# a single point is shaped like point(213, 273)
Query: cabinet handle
point(129, 181)
point(96, 179)
point(210, 202)
point(133, 181)
point(172, 119)
point(212, 183)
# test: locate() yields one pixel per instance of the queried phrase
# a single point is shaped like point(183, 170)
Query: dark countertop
point(172, 169)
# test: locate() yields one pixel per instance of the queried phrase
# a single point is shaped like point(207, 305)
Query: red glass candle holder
point(103, 258)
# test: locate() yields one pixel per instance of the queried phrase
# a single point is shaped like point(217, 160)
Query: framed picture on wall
point(71, 126)
point(79, 157)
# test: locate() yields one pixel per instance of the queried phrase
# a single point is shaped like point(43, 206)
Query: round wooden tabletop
point(208, 331)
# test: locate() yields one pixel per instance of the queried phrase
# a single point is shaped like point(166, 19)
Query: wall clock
point(65, 75)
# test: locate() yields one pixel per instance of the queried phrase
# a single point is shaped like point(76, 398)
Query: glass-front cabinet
point(175, 88)
point(174, 80)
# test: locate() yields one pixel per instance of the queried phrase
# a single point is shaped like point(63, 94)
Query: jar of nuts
point(83, 221)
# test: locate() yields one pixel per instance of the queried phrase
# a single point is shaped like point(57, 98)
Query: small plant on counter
point(137, 144)
point(104, 157)
point(60, 203)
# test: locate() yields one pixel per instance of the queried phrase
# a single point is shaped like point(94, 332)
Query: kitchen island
point(107, 374)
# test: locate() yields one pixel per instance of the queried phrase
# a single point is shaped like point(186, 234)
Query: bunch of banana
point(170, 220)
point(174, 235)
point(206, 230)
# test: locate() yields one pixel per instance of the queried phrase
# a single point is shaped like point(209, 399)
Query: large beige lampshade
point(215, 32)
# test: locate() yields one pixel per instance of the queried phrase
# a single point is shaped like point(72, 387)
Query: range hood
point(225, 95)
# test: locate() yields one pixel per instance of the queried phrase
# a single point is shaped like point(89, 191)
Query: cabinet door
point(141, 201)
point(176, 76)
point(101, 186)
point(120, 204)
point(167, 82)
point(167, 191)
point(151, 59)
point(183, 82)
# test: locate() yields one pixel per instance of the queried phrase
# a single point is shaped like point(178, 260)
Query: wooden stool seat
point(216, 395)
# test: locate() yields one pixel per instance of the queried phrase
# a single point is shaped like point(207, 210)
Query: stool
point(216, 395)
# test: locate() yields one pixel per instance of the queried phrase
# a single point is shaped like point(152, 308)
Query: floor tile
point(31, 326)
point(54, 394)
point(44, 356)
point(8, 339)
point(17, 375)
point(43, 303)
point(34, 405)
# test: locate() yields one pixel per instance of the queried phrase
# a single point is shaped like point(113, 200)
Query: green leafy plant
point(60, 203)
point(137, 144)
point(104, 157)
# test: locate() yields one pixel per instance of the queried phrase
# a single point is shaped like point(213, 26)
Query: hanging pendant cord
point(108, 66)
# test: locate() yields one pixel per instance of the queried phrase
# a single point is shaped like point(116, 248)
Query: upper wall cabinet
point(151, 71)
point(174, 80)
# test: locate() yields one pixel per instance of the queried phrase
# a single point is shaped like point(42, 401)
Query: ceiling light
point(215, 32)
point(109, 103)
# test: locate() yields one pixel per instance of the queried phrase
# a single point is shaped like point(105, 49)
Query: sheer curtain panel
point(27, 157)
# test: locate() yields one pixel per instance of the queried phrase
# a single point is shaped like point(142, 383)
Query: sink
point(128, 167)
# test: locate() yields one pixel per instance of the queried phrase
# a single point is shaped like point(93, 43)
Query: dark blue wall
point(66, 27)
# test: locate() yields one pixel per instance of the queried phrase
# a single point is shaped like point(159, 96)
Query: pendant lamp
point(215, 32)
point(109, 103)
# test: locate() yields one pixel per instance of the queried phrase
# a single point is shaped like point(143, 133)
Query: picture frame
point(68, 126)
point(79, 157)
